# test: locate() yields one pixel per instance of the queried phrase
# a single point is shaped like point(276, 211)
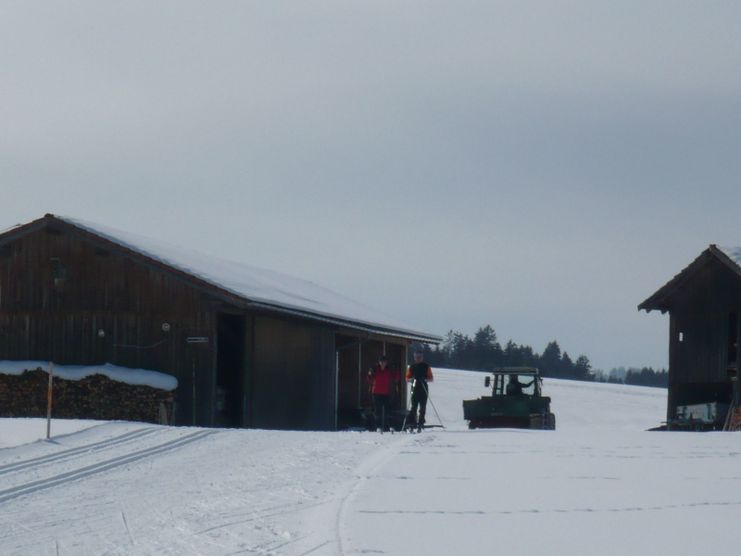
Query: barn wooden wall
point(699, 363)
point(292, 375)
point(57, 291)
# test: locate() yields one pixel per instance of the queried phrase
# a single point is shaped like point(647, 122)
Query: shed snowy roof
point(257, 287)
point(728, 256)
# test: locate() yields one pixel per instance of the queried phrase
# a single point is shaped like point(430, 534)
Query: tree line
point(645, 376)
point(484, 352)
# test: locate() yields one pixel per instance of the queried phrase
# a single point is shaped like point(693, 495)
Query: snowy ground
point(598, 485)
point(14, 432)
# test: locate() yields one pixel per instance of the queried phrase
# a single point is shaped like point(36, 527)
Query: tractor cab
point(523, 382)
point(516, 401)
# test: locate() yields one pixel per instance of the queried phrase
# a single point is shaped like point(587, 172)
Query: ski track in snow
point(106, 465)
point(599, 484)
point(84, 449)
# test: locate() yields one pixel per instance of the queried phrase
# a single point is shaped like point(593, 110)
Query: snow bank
point(134, 377)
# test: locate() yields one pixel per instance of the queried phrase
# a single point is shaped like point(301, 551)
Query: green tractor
point(516, 401)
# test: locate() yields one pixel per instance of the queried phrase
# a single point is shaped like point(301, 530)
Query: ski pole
point(433, 405)
point(407, 412)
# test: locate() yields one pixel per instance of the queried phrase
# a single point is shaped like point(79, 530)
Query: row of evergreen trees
point(484, 352)
point(646, 376)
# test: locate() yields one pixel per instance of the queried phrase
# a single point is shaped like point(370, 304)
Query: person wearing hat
point(383, 380)
point(419, 374)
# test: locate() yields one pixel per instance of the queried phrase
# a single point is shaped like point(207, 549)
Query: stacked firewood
point(93, 397)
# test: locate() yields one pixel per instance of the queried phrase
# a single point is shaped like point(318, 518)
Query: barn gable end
point(704, 303)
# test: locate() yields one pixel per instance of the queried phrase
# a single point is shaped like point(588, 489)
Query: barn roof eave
point(20, 230)
point(661, 299)
point(352, 325)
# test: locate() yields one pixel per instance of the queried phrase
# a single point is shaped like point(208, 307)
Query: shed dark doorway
point(349, 381)
point(732, 345)
point(230, 361)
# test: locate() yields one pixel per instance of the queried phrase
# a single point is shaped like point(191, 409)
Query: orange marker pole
point(49, 400)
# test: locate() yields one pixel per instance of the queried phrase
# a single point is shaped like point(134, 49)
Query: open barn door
point(349, 381)
point(230, 361)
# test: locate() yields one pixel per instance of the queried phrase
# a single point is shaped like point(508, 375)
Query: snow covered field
point(14, 432)
point(598, 485)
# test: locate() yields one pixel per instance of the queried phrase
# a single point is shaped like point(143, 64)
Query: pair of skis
point(419, 427)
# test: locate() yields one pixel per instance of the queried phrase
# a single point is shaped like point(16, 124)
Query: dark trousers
point(381, 405)
point(419, 400)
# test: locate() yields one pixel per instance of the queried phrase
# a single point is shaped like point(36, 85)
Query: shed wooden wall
point(698, 365)
point(43, 319)
point(292, 376)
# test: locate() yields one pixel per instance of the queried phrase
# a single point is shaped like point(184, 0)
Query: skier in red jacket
point(383, 382)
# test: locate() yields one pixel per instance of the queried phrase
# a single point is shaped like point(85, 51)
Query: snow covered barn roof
point(728, 256)
point(238, 283)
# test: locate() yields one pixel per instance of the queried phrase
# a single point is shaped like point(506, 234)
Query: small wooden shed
point(249, 347)
point(704, 304)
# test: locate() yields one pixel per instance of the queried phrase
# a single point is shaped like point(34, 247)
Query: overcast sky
point(542, 167)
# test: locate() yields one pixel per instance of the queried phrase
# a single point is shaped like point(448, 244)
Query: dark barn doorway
point(230, 361)
point(349, 381)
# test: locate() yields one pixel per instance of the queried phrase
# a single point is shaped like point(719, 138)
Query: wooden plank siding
point(699, 335)
point(43, 318)
point(292, 375)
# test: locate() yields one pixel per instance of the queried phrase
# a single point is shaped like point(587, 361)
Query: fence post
point(49, 400)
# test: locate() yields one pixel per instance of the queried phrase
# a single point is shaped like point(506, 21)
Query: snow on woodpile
point(133, 377)
point(248, 282)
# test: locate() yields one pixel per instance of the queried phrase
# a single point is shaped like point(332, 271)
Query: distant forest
point(484, 352)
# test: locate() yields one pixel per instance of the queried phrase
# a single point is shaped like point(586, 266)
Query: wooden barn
point(704, 304)
point(249, 347)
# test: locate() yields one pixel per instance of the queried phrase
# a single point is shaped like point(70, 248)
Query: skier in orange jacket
point(419, 374)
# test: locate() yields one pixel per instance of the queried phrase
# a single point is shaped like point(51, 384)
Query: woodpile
point(94, 397)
